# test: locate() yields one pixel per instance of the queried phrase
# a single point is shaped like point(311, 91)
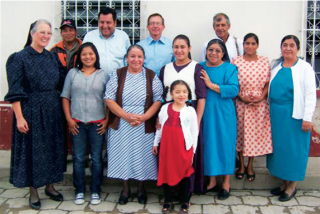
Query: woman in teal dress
point(219, 118)
point(292, 97)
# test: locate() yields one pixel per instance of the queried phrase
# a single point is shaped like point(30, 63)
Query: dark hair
point(223, 47)
point(276, 62)
point(185, 38)
point(153, 15)
point(135, 46)
point(29, 38)
point(217, 17)
point(251, 35)
point(85, 45)
point(108, 10)
point(178, 82)
point(295, 39)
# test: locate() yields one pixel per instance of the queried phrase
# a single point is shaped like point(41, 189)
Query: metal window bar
point(85, 14)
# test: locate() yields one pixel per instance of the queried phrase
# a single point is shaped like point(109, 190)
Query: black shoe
point(142, 197)
point(58, 197)
point(277, 191)
point(240, 175)
point(213, 189)
point(124, 199)
point(285, 197)
point(185, 207)
point(251, 177)
point(34, 205)
point(166, 208)
point(223, 194)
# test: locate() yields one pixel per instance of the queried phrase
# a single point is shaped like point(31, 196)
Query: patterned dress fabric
point(130, 148)
point(174, 159)
point(253, 121)
point(291, 144)
point(36, 157)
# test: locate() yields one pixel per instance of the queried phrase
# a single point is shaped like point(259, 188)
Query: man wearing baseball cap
point(66, 50)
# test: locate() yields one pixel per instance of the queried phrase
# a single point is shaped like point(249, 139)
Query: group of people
point(166, 117)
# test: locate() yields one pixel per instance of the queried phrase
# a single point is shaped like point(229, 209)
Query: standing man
point(158, 49)
point(221, 26)
point(111, 43)
point(66, 50)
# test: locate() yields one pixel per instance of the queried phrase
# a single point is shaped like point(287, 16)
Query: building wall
point(271, 21)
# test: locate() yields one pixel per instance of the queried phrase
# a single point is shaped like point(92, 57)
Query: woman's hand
point(22, 125)
point(158, 124)
point(130, 117)
point(139, 120)
point(73, 126)
point(155, 150)
point(206, 78)
point(102, 127)
point(306, 126)
point(256, 99)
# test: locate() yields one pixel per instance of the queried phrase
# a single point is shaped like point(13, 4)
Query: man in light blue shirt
point(112, 44)
point(158, 49)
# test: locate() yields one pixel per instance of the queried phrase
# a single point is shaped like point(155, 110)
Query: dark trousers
point(184, 191)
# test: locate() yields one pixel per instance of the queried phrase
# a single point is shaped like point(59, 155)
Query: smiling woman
point(37, 138)
point(133, 96)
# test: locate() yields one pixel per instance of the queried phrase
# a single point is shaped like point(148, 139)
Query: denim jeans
point(87, 134)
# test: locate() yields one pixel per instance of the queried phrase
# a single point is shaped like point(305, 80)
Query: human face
point(135, 60)
point(88, 57)
point(250, 46)
point(179, 94)
point(181, 50)
point(106, 25)
point(222, 28)
point(214, 55)
point(155, 27)
point(289, 49)
point(42, 36)
point(68, 34)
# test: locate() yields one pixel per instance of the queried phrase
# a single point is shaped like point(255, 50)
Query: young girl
point(178, 136)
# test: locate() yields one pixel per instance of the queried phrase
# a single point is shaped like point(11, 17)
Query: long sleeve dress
point(219, 121)
point(36, 157)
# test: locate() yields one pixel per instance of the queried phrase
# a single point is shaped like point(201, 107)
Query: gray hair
point(34, 29)
point(218, 18)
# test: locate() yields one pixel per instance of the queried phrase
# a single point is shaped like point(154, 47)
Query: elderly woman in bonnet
point(133, 97)
point(37, 140)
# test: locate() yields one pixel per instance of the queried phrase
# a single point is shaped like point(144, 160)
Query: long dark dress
point(36, 157)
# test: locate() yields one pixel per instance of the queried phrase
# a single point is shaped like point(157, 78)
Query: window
point(313, 37)
point(85, 14)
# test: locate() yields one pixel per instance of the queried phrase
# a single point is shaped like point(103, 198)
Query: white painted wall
point(271, 21)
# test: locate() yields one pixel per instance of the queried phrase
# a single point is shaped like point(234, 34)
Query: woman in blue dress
point(219, 118)
point(133, 97)
point(292, 97)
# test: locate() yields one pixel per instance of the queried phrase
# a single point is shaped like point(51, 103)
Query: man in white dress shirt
point(221, 26)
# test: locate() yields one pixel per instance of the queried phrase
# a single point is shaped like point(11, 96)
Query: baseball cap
point(68, 22)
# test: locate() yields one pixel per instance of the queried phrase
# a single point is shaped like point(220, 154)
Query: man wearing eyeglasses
point(66, 49)
point(221, 26)
point(111, 43)
point(158, 49)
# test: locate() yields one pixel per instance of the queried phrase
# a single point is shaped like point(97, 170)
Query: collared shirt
point(70, 53)
point(231, 48)
point(112, 50)
point(157, 53)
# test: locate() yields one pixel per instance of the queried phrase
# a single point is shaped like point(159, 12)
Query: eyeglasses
point(155, 23)
point(217, 51)
point(43, 33)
